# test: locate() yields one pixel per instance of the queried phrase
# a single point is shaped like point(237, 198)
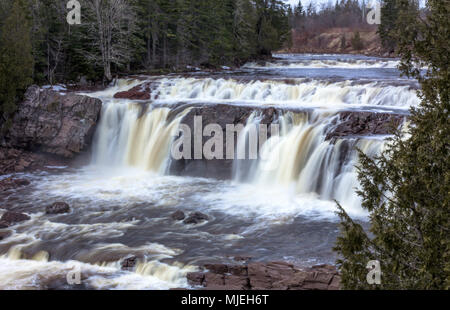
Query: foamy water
point(123, 200)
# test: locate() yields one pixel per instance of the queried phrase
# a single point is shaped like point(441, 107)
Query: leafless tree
point(110, 24)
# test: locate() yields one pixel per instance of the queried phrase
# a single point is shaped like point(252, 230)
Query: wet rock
point(3, 225)
point(217, 268)
point(195, 278)
point(364, 124)
point(12, 183)
point(140, 92)
point(129, 263)
point(233, 282)
point(4, 235)
point(14, 160)
point(56, 123)
point(178, 216)
point(266, 276)
point(11, 218)
point(196, 218)
point(58, 208)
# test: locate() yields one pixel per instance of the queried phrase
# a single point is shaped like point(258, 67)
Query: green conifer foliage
point(407, 188)
point(16, 60)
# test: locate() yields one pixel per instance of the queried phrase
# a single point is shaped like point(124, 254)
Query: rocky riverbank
point(265, 276)
point(50, 128)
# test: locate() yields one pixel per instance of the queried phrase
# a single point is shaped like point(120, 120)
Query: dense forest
point(141, 35)
point(129, 36)
point(342, 13)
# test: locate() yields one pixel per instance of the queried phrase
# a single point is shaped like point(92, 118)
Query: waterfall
point(133, 134)
point(298, 92)
point(129, 135)
point(301, 158)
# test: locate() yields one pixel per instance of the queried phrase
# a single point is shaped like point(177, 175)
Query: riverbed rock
point(266, 276)
point(55, 123)
point(129, 263)
point(196, 218)
point(178, 216)
point(57, 208)
point(14, 160)
point(9, 218)
point(12, 183)
point(140, 92)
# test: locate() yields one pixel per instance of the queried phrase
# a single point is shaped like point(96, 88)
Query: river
point(122, 201)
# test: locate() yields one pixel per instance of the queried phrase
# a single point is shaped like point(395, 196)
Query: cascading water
point(130, 135)
point(301, 158)
point(302, 92)
point(278, 208)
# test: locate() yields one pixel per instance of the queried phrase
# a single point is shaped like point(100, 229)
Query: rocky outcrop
point(365, 124)
point(222, 115)
point(53, 122)
point(265, 276)
point(352, 124)
point(140, 92)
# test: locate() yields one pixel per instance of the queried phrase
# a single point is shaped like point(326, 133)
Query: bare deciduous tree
point(111, 24)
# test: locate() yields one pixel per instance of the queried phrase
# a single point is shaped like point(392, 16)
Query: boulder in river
point(58, 208)
point(196, 218)
point(129, 263)
point(178, 216)
point(9, 218)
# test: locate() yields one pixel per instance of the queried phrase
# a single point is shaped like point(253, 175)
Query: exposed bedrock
point(54, 123)
point(222, 115)
point(347, 124)
point(265, 276)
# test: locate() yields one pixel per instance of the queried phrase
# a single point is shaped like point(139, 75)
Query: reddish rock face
point(140, 92)
point(266, 276)
point(54, 123)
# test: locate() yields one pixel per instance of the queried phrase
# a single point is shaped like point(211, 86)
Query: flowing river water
point(122, 201)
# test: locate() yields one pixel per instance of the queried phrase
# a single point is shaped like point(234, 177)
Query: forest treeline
point(141, 35)
point(38, 45)
point(341, 13)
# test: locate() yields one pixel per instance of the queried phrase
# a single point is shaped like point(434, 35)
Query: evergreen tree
point(389, 16)
point(407, 188)
point(357, 42)
point(16, 60)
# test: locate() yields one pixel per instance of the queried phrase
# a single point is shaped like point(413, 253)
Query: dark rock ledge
point(265, 276)
point(49, 128)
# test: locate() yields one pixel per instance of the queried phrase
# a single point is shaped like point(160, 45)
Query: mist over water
point(278, 208)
